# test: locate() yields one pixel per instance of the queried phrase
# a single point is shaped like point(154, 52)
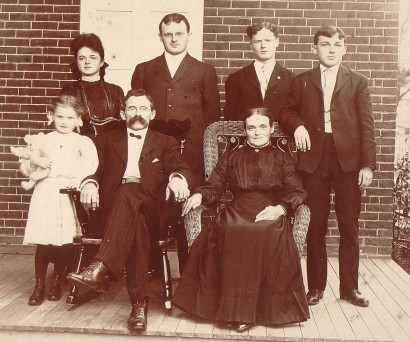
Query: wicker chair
point(229, 135)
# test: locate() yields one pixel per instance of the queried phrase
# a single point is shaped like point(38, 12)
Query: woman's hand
point(191, 203)
point(270, 213)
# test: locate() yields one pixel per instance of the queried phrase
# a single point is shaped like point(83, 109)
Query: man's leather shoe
point(314, 296)
point(95, 277)
point(354, 297)
point(138, 317)
point(241, 327)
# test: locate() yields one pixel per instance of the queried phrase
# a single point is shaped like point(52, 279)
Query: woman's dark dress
point(102, 102)
point(239, 270)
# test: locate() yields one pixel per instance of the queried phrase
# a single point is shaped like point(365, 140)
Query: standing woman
point(102, 101)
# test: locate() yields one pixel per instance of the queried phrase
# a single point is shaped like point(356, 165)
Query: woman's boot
point(39, 292)
point(40, 264)
point(62, 255)
point(54, 293)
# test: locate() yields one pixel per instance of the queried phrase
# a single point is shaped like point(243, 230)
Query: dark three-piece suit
point(134, 212)
point(191, 94)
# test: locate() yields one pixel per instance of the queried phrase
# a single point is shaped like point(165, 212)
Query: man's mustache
point(136, 119)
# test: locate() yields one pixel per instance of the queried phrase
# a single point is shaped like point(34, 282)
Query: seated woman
point(244, 268)
point(102, 101)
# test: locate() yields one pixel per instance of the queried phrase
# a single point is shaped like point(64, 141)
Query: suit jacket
point(159, 158)
point(242, 92)
point(191, 94)
point(351, 119)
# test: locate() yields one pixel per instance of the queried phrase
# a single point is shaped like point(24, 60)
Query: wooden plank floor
point(385, 284)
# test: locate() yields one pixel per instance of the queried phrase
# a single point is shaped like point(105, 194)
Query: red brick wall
point(34, 58)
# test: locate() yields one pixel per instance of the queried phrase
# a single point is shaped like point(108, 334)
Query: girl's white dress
point(51, 218)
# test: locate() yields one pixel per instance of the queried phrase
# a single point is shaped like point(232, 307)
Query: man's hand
point(179, 187)
point(302, 139)
point(191, 203)
point(270, 213)
point(365, 177)
point(89, 196)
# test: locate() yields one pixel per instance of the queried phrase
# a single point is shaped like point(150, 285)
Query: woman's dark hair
point(91, 41)
point(253, 29)
point(329, 32)
point(138, 93)
point(69, 101)
point(260, 111)
point(174, 18)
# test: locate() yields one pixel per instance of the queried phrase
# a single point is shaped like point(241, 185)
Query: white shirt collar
point(141, 132)
point(268, 66)
point(175, 58)
point(333, 68)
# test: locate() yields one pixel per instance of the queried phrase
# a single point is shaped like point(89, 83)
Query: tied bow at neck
point(132, 135)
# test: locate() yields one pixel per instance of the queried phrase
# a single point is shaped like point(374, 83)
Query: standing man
point(264, 82)
point(137, 171)
point(329, 110)
point(182, 88)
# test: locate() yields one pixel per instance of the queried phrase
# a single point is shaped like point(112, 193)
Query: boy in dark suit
point(264, 82)
point(138, 169)
point(329, 111)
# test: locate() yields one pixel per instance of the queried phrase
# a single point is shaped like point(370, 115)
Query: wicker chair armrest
point(300, 226)
point(192, 223)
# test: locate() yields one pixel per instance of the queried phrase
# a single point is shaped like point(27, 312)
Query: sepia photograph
point(205, 170)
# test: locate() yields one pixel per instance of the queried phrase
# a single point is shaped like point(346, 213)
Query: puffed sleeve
point(293, 193)
point(88, 161)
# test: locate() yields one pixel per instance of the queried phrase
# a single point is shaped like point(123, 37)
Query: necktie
point(327, 98)
point(325, 74)
point(132, 135)
point(264, 81)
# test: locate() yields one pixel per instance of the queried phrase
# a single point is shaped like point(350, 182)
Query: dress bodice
point(72, 155)
point(102, 102)
point(264, 169)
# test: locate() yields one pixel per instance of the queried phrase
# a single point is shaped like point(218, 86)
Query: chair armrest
point(300, 226)
point(192, 224)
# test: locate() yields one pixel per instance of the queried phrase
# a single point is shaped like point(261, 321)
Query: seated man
point(138, 170)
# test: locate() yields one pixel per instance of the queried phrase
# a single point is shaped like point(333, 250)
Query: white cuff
point(178, 175)
point(89, 181)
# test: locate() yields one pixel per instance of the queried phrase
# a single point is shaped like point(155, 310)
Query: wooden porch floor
point(384, 283)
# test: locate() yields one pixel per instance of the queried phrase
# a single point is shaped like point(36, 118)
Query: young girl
point(51, 223)
point(102, 101)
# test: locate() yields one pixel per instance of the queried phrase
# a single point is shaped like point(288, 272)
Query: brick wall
point(372, 36)
point(35, 54)
point(34, 57)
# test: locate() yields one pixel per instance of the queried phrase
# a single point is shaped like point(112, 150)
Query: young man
point(137, 171)
point(182, 88)
point(263, 83)
point(329, 111)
